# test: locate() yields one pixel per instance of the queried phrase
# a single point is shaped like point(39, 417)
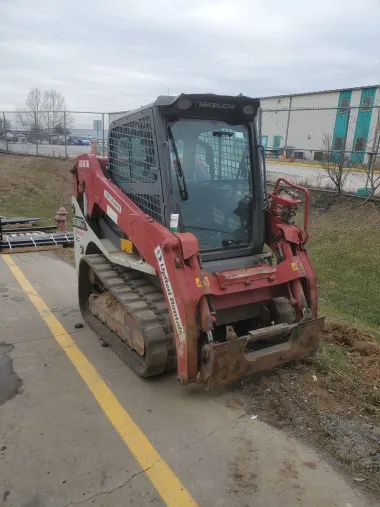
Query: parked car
point(75, 141)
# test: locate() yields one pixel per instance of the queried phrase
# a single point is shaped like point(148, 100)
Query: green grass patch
point(332, 358)
point(45, 209)
point(346, 261)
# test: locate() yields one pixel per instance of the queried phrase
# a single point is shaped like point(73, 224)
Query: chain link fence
point(326, 148)
point(333, 148)
point(63, 134)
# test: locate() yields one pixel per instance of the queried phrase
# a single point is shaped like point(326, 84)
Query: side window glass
point(338, 144)
point(344, 105)
point(360, 144)
point(366, 104)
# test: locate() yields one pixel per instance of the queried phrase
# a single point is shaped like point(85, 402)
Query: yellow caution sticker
point(126, 245)
point(297, 266)
point(202, 283)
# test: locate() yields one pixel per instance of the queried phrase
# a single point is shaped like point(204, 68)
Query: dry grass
point(34, 186)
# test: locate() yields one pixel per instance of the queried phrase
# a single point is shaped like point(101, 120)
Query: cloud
point(119, 54)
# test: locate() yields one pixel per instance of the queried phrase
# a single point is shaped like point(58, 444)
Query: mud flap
point(225, 362)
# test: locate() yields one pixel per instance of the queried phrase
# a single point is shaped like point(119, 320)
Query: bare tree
point(45, 112)
point(56, 118)
point(334, 162)
point(29, 116)
point(5, 125)
point(372, 168)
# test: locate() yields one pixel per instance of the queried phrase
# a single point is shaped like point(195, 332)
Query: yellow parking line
point(317, 166)
point(162, 477)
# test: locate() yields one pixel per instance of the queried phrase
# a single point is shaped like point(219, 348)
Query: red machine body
point(193, 294)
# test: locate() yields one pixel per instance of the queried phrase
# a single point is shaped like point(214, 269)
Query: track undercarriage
point(129, 314)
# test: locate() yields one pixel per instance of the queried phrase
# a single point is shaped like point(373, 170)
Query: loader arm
point(174, 256)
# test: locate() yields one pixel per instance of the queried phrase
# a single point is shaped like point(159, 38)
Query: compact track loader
point(184, 259)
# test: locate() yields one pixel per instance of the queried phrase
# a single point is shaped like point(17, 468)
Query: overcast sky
point(114, 55)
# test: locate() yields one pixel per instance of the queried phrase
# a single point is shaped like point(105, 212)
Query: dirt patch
point(323, 202)
point(332, 401)
point(364, 349)
point(242, 478)
point(66, 254)
point(310, 464)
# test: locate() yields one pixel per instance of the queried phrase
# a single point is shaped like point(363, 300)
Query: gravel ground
point(331, 401)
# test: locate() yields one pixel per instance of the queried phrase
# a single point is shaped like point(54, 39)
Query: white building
point(306, 124)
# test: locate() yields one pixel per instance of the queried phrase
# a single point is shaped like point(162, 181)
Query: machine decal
point(202, 283)
point(214, 105)
point(112, 214)
point(79, 223)
point(84, 163)
point(297, 266)
point(171, 298)
point(113, 201)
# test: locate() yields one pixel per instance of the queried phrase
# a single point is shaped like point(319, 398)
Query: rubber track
point(147, 305)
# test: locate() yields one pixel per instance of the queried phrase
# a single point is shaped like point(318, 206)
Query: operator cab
point(216, 178)
point(195, 156)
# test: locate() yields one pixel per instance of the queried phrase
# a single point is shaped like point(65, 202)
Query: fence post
point(5, 133)
point(345, 139)
point(37, 130)
point(287, 125)
point(375, 151)
point(376, 137)
point(103, 132)
point(64, 127)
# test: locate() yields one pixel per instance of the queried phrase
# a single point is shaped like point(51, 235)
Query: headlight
point(249, 110)
point(184, 104)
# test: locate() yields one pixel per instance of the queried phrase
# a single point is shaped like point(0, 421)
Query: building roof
point(318, 92)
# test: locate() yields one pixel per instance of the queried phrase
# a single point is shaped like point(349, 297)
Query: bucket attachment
point(228, 361)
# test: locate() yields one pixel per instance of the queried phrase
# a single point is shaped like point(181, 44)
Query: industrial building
point(305, 125)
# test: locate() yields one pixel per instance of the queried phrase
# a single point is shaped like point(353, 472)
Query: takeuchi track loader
point(184, 259)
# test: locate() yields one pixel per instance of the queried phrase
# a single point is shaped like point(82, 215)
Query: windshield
point(211, 181)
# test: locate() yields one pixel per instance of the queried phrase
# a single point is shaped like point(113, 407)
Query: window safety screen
point(132, 159)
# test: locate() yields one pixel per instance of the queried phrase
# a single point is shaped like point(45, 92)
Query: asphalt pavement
point(77, 427)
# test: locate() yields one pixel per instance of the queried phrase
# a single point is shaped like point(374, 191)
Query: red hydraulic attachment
point(285, 201)
point(187, 287)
